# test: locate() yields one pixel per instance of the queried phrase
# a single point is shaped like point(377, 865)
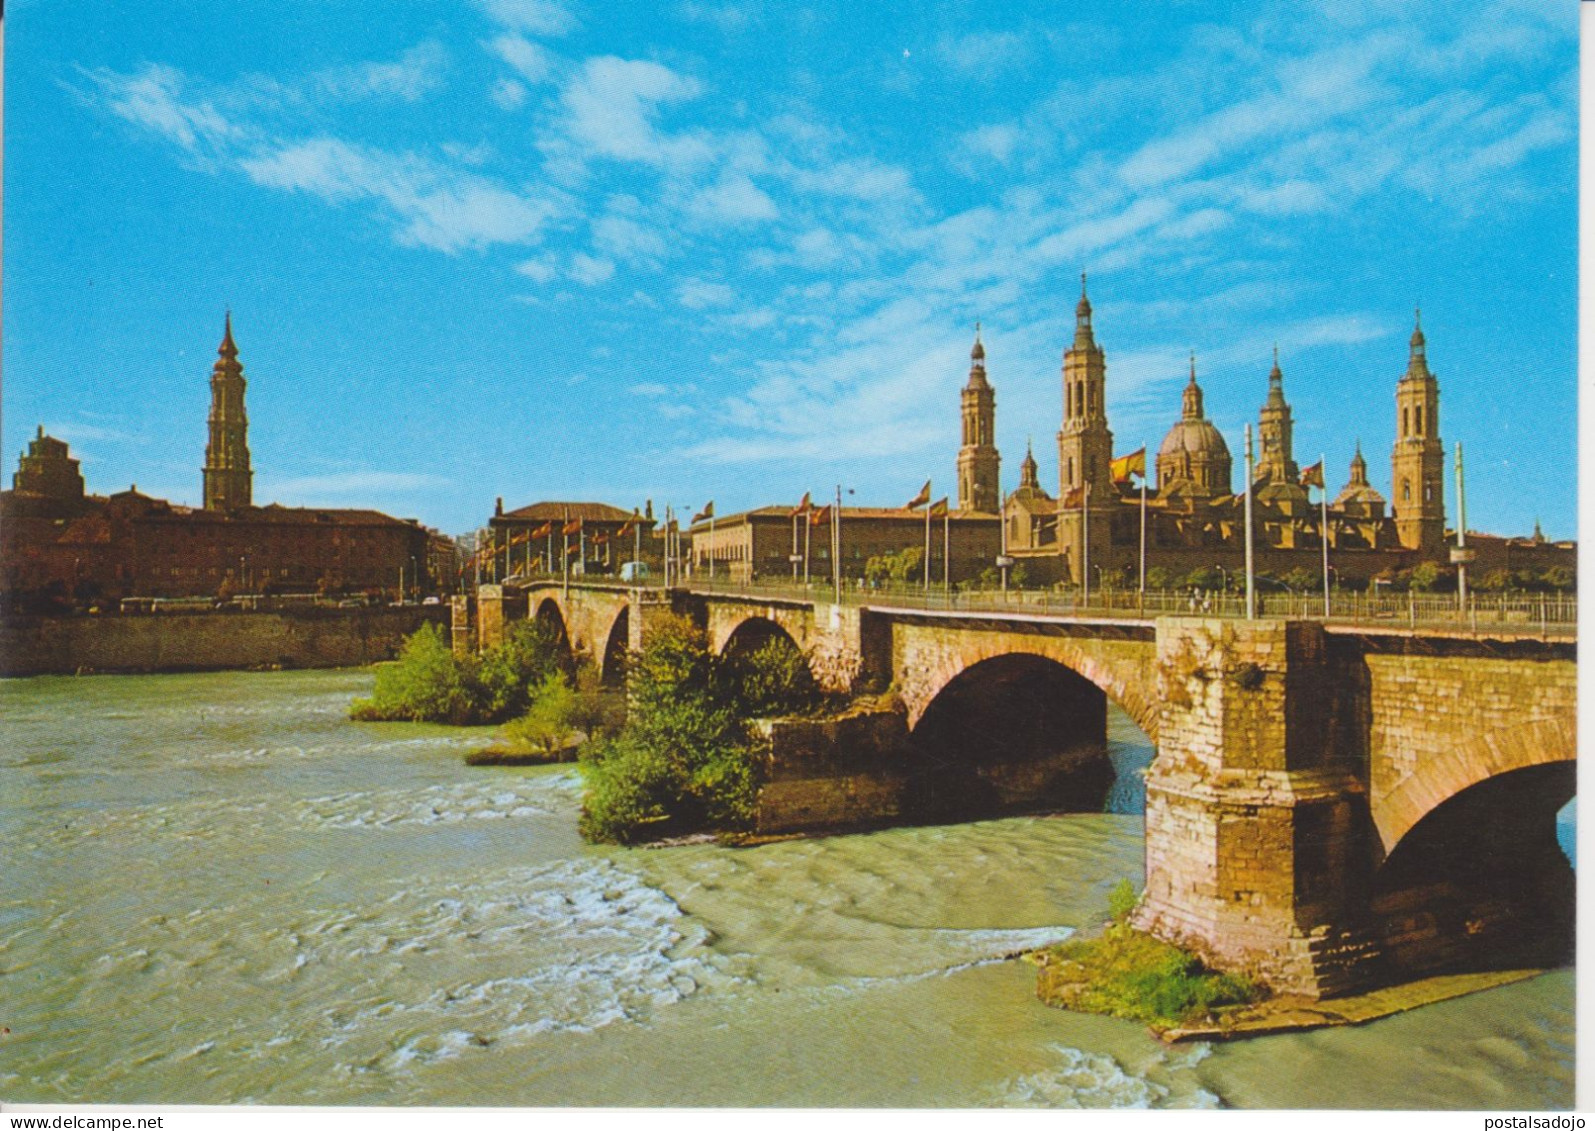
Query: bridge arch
point(1477, 755)
point(1019, 730)
point(617, 647)
point(1481, 881)
point(550, 616)
point(747, 636)
point(1128, 681)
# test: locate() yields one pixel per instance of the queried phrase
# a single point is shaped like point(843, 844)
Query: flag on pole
point(1126, 466)
point(573, 527)
point(706, 512)
point(1075, 497)
point(820, 517)
point(1313, 476)
point(804, 507)
point(544, 530)
point(920, 499)
point(600, 539)
point(939, 507)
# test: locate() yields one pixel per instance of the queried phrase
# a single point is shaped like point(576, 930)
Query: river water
point(217, 889)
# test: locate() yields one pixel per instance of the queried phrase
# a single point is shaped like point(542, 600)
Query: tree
point(1424, 577)
point(1161, 577)
point(1560, 578)
point(1301, 579)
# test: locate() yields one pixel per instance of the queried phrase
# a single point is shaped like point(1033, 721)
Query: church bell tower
point(227, 474)
point(1417, 465)
point(978, 460)
point(1086, 493)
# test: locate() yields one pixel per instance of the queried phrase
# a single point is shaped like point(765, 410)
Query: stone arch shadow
point(1016, 731)
point(1480, 882)
point(615, 657)
point(549, 615)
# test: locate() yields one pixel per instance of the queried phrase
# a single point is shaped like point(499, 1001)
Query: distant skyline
point(693, 250)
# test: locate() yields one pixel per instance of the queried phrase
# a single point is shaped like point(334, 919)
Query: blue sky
point(550, 249)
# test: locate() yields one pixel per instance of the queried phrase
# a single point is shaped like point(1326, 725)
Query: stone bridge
point(1328, 806)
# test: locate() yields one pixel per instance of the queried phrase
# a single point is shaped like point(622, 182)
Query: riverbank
point(207, 640)
point(1126, 974)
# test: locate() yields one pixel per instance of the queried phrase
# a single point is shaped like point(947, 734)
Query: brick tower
point(1086, 493)
point(1417, 464)
point(227, 474)
point(978, 460)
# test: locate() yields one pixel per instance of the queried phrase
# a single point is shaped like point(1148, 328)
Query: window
point(1418, 416)
point(1406, 491)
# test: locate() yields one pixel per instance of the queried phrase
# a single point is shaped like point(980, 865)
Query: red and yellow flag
point(573, 527)
point(920, 499)
point(1313, 476)
point(820, 516)
point(1074, 497)
point(804, 507)
point(544, 530)
point(1125, 466)
point(939, 507)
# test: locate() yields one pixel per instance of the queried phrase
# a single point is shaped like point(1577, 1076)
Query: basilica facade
point(1189, 516)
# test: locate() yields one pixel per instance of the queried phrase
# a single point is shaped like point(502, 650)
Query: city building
point(553, 537)
point(59, 544)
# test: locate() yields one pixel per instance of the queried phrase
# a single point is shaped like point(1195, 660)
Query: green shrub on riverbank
point(1126, 973)
point(430, 684)
point(682, 762)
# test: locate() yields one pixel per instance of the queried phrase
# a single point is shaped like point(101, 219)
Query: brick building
point(548, 537)
point(59, 543)
point(761, 544)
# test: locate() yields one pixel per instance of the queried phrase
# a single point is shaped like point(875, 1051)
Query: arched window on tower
point(1428, 492)
point(1406, 490)
point(1418, 413)
point(1406, 422)
point(1071, 471)
point(1068, 396)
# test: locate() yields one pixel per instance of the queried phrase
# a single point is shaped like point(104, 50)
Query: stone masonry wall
point(209, 641)
point(1441, 723)
point(1251, 815)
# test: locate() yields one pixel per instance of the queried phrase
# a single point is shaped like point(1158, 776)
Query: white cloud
point(625, 238)
point(589, 270)
point(536, 17)
point(997, 142)
point(534, 62)
point(611, 106)
point(696, 294)
point(734, 199)
point(986, 54)
point(415, 72)
point(507, 94)
point(540, 270)
point(726, 17)
point(435, 206)
point(153, 99)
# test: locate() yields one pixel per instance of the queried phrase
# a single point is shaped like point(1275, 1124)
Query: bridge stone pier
point(1329, 807)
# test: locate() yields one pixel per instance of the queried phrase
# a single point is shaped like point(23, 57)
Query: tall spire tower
point(1085, 447)
point(227, 474)
point(1417, 464)
point(978, 459)
point(1274, 430)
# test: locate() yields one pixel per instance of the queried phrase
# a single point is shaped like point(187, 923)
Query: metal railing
point(1541, 614)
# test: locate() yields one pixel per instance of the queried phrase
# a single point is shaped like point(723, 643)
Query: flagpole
point(947, 550)
point(927, 537)
point(1002, 543)
point(1085, 545)
point(1143, 536)
point(808, 540)
point(636, 539)
point(564, 555)
point(1323, 510)
point(711, 543)
point(1251, 483)
point(836, 544)
point(1462, 530)
point(794, 544)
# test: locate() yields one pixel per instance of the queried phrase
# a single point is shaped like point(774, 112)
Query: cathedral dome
point(1196, 437)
